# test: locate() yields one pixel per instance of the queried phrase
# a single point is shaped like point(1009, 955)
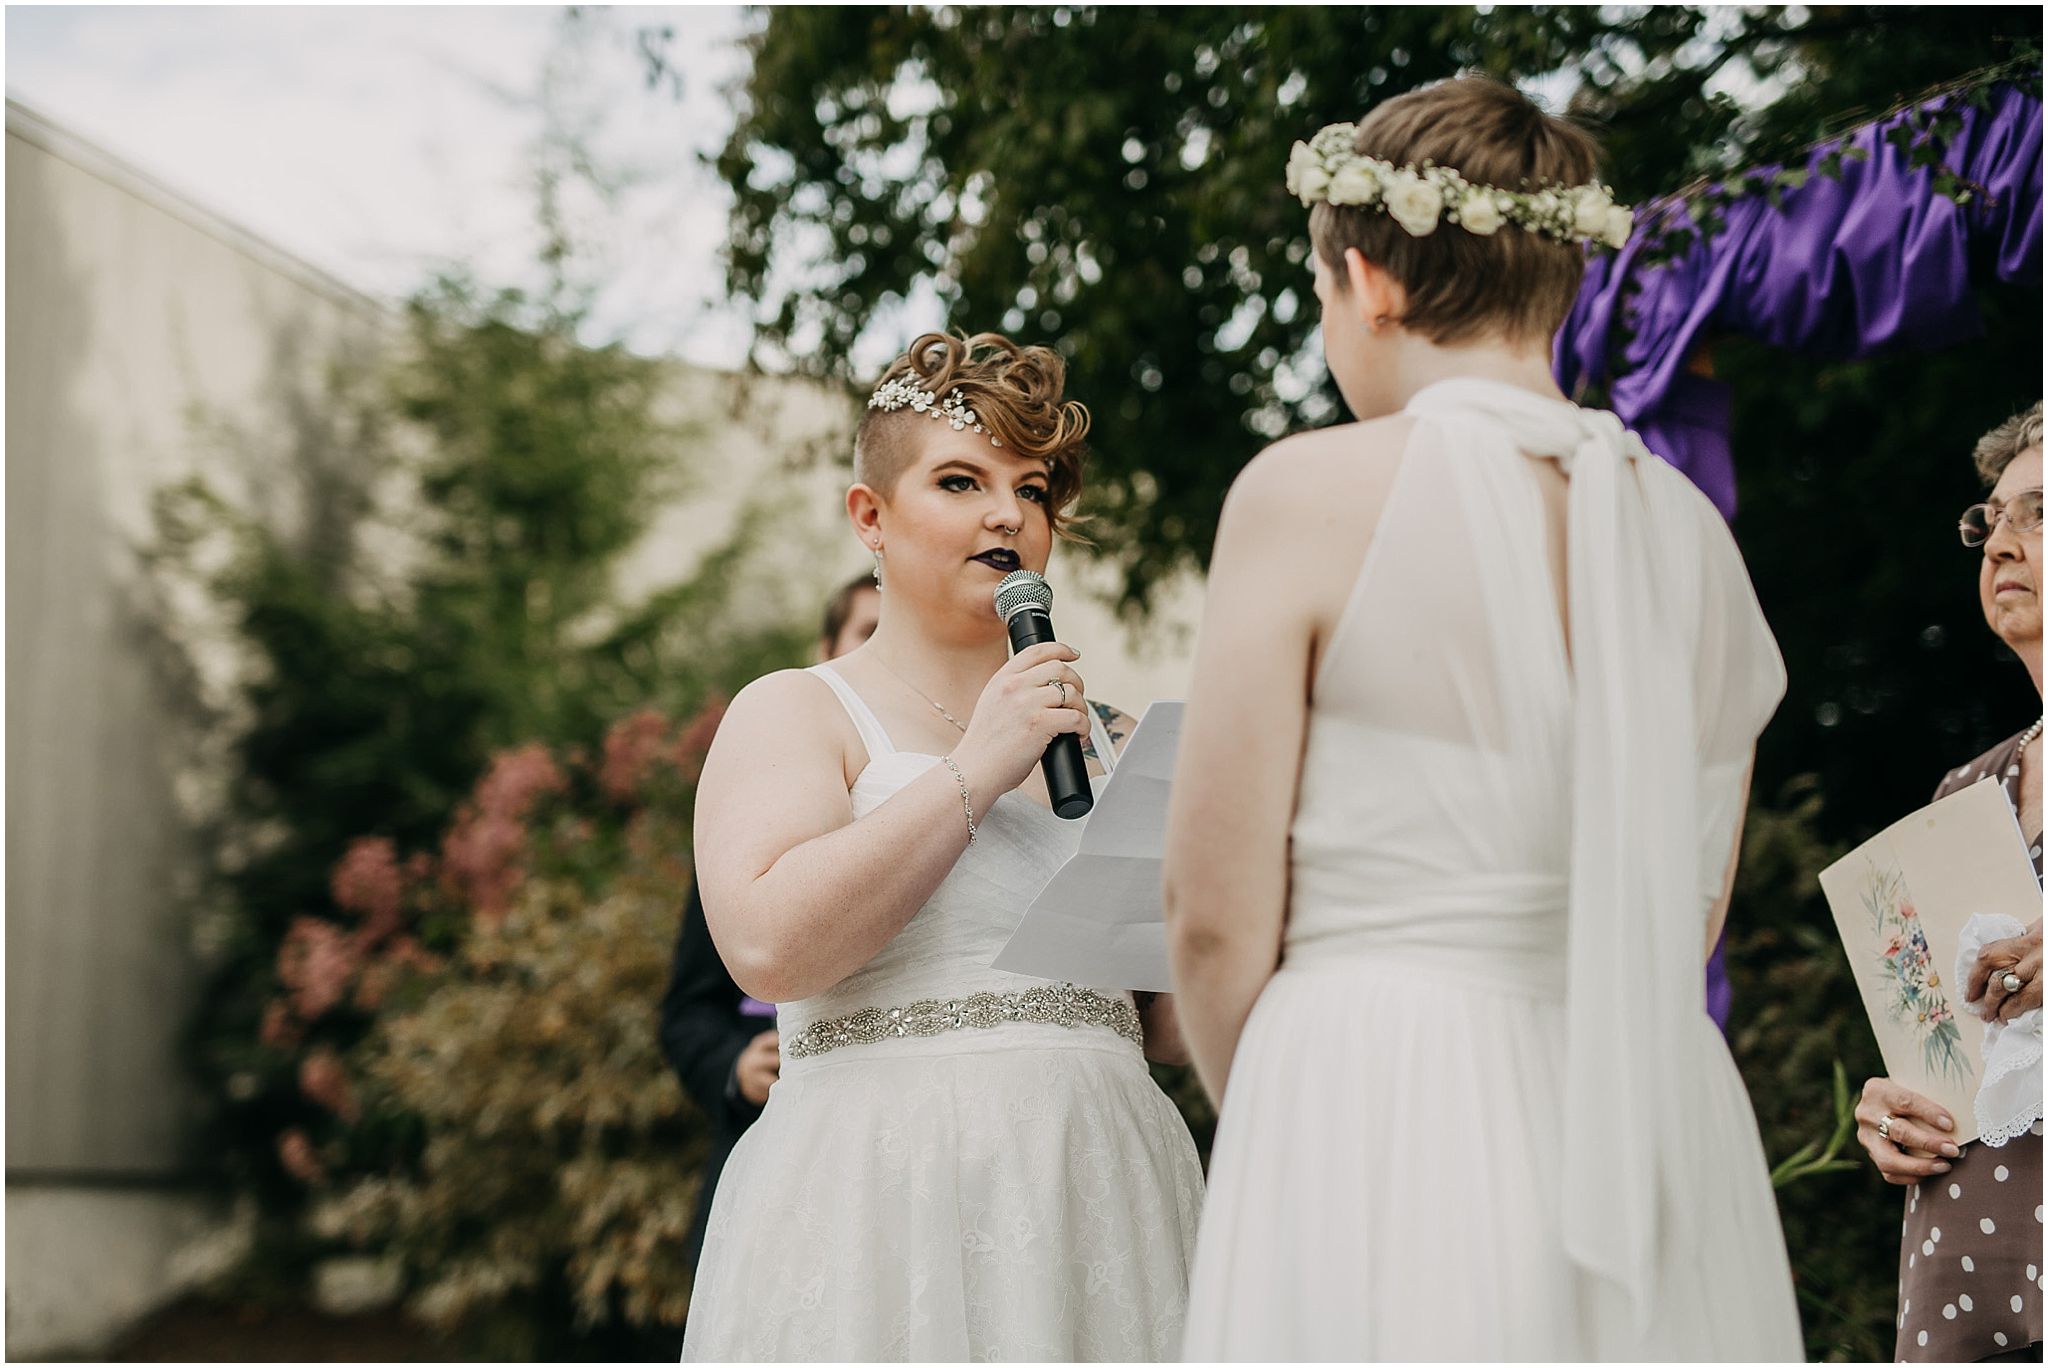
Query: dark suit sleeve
point(702, 1031)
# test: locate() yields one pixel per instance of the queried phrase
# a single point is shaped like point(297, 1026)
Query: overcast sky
point(377, 143)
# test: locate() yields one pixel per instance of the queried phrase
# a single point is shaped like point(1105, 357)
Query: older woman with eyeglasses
point(1970, 1284)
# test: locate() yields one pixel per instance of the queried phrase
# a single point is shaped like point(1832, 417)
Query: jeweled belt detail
point(1061, 1004)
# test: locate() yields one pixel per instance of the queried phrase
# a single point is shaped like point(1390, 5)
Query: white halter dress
point(1480, 1112)
point(957, 1163)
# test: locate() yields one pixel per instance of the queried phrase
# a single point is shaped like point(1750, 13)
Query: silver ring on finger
point(1884, 1126)
point(1061, 685)
point(2011, 982)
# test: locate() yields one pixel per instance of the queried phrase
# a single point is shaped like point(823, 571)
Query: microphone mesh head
point(1022, 589)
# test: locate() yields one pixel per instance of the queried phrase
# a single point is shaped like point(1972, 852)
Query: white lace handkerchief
point(2009, 1101)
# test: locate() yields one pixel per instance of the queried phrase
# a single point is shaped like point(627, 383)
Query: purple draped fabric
point(1848, 266)
point(1845, 266)
point(1720, 993)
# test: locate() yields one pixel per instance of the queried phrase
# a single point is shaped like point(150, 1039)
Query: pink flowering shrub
point(369, 883)
point(473, 1036)
point(482, 856)
point(315, 963)
point(323, 1080)
point(630, 749)
point(694, 740)
point(295, 1152)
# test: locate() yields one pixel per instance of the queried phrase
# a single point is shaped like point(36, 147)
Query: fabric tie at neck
point(1635, 977)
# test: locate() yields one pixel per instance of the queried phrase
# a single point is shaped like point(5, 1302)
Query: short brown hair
point(1516, 283)
point(1997, 448)
point(1016, 392)
point(839, 607)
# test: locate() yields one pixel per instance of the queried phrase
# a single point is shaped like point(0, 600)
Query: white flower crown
point(902, 393)
point(1328, 168)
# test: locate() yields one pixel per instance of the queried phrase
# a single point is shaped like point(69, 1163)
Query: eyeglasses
point(2022, 511)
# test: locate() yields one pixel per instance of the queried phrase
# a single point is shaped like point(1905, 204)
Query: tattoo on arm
point(1115, 723)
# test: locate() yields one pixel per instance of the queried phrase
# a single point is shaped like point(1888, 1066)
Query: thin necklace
point(960, 726)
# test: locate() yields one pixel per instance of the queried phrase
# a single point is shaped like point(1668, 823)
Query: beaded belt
point(1062, 1004)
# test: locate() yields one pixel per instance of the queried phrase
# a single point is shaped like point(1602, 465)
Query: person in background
point(722, 1043)
point(1970, 1280)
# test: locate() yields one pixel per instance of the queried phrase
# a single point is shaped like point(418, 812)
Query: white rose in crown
point(1590, 208)
point(1621, 222)
point(1354, 183)
point(1306, 178)
point(1415, 203)
point(1478, 213)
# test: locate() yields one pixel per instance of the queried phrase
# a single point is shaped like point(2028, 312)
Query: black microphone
point(1024, 603)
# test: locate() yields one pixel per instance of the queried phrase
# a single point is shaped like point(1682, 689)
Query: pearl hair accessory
point(901, 393)
point(1328, 169)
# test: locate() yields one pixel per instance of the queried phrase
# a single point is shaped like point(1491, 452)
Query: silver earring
point(878, 569)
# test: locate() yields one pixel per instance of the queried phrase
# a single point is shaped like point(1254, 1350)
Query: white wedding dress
point(1480, 1112)
point(1015, 1189)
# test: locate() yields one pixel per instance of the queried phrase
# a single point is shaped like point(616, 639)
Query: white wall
point(123, 313)
point(125, 310)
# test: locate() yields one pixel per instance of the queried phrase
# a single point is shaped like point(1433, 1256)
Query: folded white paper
point(1098, 922)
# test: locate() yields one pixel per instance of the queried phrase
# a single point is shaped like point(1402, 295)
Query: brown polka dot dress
point(1970, 1275)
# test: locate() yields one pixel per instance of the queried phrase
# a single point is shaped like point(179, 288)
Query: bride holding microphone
point(957, 1163)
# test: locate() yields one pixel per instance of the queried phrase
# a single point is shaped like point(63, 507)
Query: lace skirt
point(1021, 1193)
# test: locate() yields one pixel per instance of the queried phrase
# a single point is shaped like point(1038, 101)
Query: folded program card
point(1098, 922)
point(1901, 902)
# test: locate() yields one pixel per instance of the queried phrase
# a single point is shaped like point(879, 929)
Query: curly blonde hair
point(1016, 392)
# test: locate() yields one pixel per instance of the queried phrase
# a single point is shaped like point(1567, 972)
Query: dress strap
point(864, 720)
point(1105, 750)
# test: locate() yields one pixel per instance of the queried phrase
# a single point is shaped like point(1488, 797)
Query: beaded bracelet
point(966, 803)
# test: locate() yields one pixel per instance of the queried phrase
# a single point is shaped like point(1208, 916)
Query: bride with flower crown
point(1438, 922)
point(956, 1163)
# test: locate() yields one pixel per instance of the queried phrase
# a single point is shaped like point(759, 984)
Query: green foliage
point(460, 601)
point(1816, 1156)
point(1850, 479)
point(1798, 1021)
point(553, 1170)
point(1109, 179)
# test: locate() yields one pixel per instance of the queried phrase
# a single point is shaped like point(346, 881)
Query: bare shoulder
point(790, 692)
point(786, 711)
point(1294, 533)
point(1316, 473)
